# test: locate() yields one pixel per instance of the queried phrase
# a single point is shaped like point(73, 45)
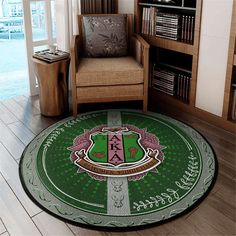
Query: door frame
point(30, 43)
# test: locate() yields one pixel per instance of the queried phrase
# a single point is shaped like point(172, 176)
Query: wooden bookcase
point(230, 85)
point(165, 102)
point(176, 46)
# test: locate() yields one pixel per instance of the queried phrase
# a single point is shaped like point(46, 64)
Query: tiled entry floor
point(13, 69)
point(13, 84)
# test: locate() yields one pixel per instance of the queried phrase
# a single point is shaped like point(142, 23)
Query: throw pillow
point(105, 36)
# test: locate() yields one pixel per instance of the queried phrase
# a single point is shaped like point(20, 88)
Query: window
point(15, 9)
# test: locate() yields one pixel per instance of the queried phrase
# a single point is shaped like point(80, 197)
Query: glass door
point(13, 61)
point(40, 31)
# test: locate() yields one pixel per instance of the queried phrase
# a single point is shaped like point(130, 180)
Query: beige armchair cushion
point(108, 71)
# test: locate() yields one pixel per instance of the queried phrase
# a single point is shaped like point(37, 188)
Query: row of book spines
point(183, 87)
point(148, 22)
point(163, 85)
point(98, 6)
point(181, 92)
point(187, 28)
point(151, 18)
point(183, 30)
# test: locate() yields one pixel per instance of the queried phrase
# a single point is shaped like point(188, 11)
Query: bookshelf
point(229, 109)
point(190, 49)
point(189, 53)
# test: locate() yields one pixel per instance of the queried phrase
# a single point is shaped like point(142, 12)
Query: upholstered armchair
point(108, 62)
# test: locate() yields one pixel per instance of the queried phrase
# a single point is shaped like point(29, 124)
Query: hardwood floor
point(20, 121)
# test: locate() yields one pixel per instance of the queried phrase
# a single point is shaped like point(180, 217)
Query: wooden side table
point(53, 86)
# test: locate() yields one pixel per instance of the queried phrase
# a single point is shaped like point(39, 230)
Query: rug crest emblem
point(123, 151)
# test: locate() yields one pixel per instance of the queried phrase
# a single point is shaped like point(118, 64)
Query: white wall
point(62, 24)
point(126, 6)
point(213, 55)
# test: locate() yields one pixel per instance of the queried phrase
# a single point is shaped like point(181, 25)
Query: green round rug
point(118, 168)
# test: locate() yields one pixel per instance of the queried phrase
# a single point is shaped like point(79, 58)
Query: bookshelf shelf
point(168, 6)
point(176, 68)
point(165, 99)
point(170, 44)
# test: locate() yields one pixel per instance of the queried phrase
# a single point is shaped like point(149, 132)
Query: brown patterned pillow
point(105, 36)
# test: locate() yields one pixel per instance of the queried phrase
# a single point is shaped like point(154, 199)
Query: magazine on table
point(48, 56)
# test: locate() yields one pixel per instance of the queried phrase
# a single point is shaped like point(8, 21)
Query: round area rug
point(118, 168)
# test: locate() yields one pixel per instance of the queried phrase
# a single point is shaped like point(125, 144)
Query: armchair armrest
point(74, 53)
point(140, 51)
point(141, 40)
point(74, 49)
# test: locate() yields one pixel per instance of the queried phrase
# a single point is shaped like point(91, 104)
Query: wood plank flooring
point(20, 121)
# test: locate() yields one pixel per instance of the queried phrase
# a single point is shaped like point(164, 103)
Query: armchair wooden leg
point(145, 103)
point(75, 109)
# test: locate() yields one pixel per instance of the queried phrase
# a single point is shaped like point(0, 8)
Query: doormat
point(118, 169)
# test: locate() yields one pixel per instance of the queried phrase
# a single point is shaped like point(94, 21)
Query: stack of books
point(46, 55)
point(164, 80)
point(171, 81)
point(168, 25)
